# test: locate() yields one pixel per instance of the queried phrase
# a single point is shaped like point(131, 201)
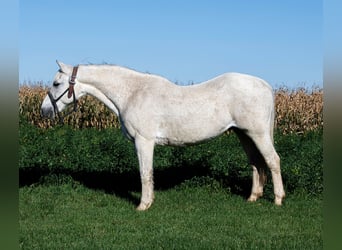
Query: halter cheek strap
point(72, 81)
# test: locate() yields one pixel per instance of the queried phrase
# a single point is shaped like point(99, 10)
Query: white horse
point(153, 110)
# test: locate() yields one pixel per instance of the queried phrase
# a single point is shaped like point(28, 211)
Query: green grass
point(68, 215)
point(79, 189)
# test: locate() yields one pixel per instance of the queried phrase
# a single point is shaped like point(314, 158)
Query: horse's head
point(62, 93)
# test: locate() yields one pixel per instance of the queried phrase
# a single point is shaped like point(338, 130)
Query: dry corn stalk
point(297, 110)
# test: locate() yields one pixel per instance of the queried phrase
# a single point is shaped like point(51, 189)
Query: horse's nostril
point(47, 112)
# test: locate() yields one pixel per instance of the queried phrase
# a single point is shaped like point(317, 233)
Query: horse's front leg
point(144, 149)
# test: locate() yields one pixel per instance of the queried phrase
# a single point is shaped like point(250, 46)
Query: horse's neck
point(108, 83)
point(91, 90)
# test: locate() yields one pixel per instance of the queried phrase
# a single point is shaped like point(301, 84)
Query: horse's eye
point(55, 84)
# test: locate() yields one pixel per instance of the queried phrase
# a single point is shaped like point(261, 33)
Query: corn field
point(297, 111)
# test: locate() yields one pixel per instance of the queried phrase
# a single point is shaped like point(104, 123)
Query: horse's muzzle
point(47, 112)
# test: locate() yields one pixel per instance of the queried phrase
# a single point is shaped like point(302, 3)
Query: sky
point(183, 41)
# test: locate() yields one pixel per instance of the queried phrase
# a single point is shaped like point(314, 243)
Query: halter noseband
point(71, 92)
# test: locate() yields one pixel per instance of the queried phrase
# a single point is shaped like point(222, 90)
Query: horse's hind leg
point(259, 180)
point(264, 144)
point(257, 162)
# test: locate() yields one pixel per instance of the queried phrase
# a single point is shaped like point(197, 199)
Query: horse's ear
point(63, 67)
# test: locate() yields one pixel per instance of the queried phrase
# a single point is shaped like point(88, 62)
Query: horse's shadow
point(124, 185)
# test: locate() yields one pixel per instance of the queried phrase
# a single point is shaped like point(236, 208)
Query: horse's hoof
point(254, 197)
point(278, 201)
point(143, 206)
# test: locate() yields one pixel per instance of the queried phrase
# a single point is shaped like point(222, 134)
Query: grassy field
point(67, 215)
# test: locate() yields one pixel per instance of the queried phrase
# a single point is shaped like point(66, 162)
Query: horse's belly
point(176, 134)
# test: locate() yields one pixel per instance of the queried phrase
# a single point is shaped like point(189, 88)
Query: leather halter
point(71, 92)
